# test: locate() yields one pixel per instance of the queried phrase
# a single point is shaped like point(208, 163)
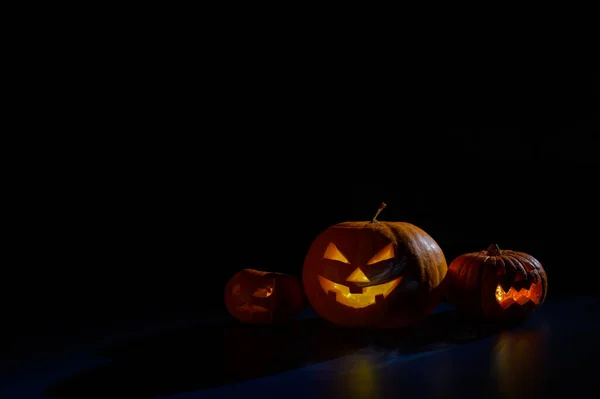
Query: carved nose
point(357, 276)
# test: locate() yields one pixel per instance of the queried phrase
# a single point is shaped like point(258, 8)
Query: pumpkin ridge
point(502, 264)
point(509, 266)
point(520, 268)
point(404, 233)
point(483, 296)
point(533, 268)
point(479, 299)
point(527, 264)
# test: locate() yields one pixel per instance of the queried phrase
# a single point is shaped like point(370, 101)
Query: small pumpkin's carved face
point(254, 296)
point(365, 273)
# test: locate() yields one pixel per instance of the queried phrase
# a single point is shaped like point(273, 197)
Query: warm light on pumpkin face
point(385, 274)
point(258, 293)
point(512, 296)
point(369, 295)
point(386, 253)
point(367, 298)
point(333, 253)
point(261, 297)
point(263, 292)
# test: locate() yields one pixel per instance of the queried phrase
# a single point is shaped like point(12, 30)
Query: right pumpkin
point(496, 284)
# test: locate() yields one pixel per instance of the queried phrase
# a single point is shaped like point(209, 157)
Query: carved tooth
point(507, 302)
point(522, 299)
point(355, 290)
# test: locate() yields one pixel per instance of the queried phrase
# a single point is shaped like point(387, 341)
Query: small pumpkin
point(387, 274)
point(260, 297)
point(496, 284)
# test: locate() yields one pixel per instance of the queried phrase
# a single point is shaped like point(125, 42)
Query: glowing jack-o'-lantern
point(496, 284)
point(374, 273)
point(259, 297)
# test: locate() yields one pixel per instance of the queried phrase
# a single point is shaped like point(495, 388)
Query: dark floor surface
point(554, 353)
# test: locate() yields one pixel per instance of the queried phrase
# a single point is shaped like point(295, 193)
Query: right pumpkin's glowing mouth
point(368, 297)
point(512, 296)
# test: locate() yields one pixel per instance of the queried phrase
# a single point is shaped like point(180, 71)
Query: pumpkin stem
point(374, 220)
point(494, 250)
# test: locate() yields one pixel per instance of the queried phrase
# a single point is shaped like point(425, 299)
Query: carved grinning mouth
point(512, 296)
point(252, 308)
point(369, 296)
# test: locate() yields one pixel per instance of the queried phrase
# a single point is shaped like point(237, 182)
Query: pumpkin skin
point(496, 284)
point(384, 274)
point(259, 297)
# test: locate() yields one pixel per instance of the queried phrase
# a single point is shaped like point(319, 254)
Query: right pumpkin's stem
point(374, 220)
point(494, 250)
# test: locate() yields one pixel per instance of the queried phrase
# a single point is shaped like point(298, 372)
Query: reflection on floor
point(552, 353)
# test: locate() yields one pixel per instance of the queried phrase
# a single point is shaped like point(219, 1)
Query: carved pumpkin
point(259, 297)
point(496, 284)
point(387, 274)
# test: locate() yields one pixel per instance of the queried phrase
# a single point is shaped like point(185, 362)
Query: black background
point(161, 195)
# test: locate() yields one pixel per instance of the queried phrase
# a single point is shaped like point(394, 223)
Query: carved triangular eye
point(386, 253)
point(334, 254)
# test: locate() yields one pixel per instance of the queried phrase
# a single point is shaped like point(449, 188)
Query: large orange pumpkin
point(387, 274)
point(496, 284)
point(259, 297)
